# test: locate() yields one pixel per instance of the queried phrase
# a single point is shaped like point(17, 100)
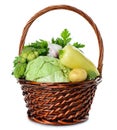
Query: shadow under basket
point(60, 103)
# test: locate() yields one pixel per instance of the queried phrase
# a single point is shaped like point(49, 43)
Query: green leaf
point(53, 40)
point(60, 42)
point(15, 62)
point(19, 70)
point(64, 39)
point(68, 40)
point(19, 59)
point(91, 75)
point(41, 46)
point(61, 53)
point(65, 34)
point(43, 51)
point(43, 43)
point(78, 45)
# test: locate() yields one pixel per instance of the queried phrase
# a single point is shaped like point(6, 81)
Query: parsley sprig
point(41, 46)
point(65, 39)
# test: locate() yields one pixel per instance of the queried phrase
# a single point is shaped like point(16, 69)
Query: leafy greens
point(41, 48)
point(65, 39)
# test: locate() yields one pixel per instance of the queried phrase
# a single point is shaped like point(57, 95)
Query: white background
point(13, 16)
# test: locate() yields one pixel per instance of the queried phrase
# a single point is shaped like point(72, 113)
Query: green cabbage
point(46, 69)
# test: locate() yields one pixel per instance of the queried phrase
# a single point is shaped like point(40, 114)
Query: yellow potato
point(77, 75)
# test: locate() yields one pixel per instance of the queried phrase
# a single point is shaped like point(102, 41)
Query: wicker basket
point(60, 103)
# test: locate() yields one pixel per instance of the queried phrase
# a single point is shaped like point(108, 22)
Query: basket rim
point(83, 84)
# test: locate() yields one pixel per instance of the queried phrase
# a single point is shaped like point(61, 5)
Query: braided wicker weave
point(60, 103)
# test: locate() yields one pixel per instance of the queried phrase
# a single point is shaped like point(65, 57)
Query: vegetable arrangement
point(55, 61)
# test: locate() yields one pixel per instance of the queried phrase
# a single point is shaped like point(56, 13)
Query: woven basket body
point(60, 103)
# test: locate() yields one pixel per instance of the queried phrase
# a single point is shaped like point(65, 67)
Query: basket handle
point(78, 11)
